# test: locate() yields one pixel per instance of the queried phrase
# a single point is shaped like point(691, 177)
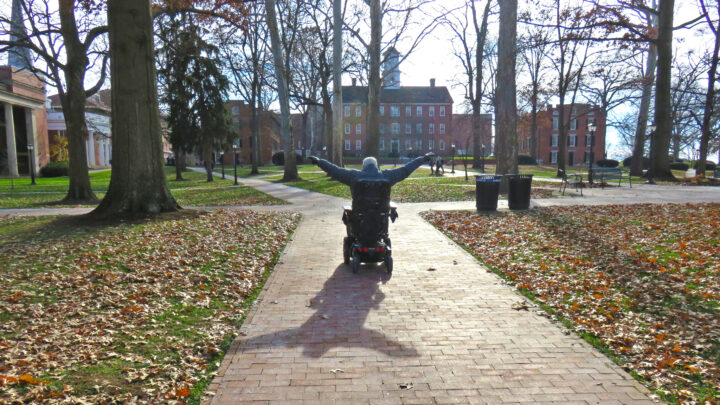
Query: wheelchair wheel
point(346, 250)
point(389, 264)
point(355, 262)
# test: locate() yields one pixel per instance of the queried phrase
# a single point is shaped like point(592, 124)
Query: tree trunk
point(137, 183)
point(74, 106)
point(506, 103)
point(636, 167)
point(178, 164)
point(709, 107)
point(277, 51)
point(533, 122)
point(659, 162)
point(337, 132)
point(208, 161)
point(372, 143)
point(481, 34)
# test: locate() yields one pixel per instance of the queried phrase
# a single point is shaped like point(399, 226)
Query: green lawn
point(193, 191)
point(136, 312)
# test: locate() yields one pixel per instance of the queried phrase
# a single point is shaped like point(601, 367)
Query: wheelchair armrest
point(393, 206)
point(347, 207)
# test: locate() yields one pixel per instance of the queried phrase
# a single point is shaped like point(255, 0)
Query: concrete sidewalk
point(441, 329)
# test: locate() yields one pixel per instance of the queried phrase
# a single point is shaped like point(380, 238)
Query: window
point(358, 144)
point(431, 128)
point(418, 111)
point(442, 110)
point(382, 128)
point(418, 145)
point(553, 156)
point(347, 110)
point(347, 129)
point(555, 123)
point(573, 140)
point(347, 144)
point(574, 110)
point(408, 128)
point(588, 140)
point(235, 110)
point(395, 128)
point(236, 122)
point(408, 110)
point(554, 140)
point(442, 128)
point(358, 129)
point(586, 157)
point(442, 145)
point(556, 112)
point(358, 111)
point(394, 111)
point(382, 110)
point(382, 143)
point(431, 111)
point(408, 144)
point(573, 124)
point(418, 129)
point(431, 144)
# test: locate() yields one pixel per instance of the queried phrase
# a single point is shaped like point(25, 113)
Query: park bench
point(603, 174)
point(574, 180)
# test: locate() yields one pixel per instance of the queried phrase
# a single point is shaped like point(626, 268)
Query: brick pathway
point(319, 334)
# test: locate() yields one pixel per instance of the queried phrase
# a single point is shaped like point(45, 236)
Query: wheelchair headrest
point(371, 193)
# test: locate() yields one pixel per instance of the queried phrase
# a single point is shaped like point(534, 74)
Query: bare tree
point(660, 144)
point(533, 47)
point(68, 50)
point(505, 98)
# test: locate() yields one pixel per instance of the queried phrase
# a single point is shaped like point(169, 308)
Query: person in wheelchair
point(367, 220)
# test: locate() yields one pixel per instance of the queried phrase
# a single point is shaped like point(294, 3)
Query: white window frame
point(358, 111)
point(573, 124)
point(442, 144)
point(408, 111)
point(347, 129)
point(431, 144)
point(347, 144)
point(554, 140)
point(382, 143)
point(358, 129)
point(431, 111)
point(418, 111)
point(418, 128)
point(442, 110)
point(395, 128)
point(358, 144)
point(431, 128)
point(553, 156)
point(408, 128)
point(588, 141)
point(394, 111)
point(408, 144)
point(382, 110)
point(442, 128)
point(556, 123)
point(346, 111)
point(573, 140)
point(235, 110)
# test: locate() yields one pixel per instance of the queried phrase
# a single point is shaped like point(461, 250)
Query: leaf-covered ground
point(132, 313)
point(642, 281)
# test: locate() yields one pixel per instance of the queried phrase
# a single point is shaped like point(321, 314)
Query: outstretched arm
point(344, 176)
point(399, 174)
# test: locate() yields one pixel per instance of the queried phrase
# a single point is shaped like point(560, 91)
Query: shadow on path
point(341, 309)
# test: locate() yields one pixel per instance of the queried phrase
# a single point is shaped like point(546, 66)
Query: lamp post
point(651, 134)
point(482, 158)
point(222, 164)
point(235, 146)
point(452, 145)
point(31, 156)
point(591, 158)
point(467, 146)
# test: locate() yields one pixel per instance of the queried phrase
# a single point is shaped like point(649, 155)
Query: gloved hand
point(313, 160)
point(429, 156)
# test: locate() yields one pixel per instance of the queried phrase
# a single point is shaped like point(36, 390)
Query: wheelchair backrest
point(371, 194)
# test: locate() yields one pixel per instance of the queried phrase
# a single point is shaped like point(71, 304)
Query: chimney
point(432, 82)
point(354, 81)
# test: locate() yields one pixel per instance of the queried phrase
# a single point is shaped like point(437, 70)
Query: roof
point(92, 102)
point(403, 94)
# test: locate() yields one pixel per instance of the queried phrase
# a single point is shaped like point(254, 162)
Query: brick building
point(577, 119)
point(413, 119)
point(462, 133)
point(269, 133)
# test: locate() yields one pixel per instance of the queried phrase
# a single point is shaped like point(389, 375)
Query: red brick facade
point(269, 133)
point(463, 132)
point(577, 119)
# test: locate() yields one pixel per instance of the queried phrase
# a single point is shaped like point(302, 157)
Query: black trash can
point(487, 188)
point(519, 191)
